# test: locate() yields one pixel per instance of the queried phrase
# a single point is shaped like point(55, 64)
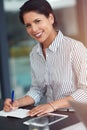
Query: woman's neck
point(49, 41)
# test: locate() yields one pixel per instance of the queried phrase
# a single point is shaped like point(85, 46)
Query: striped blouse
point(62, 73)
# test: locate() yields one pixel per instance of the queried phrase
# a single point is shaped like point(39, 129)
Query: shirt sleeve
point(34, 94)
point(80, 95)
point(37, 88)
point(80, 68)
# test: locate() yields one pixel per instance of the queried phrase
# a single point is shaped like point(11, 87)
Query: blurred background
point(16, 45)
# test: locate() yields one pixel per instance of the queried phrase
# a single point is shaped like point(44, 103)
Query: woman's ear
point(51, 18)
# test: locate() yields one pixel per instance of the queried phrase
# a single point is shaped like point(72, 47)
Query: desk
point(17, 124)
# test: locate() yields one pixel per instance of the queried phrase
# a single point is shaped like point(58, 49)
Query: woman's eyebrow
point(27, 24)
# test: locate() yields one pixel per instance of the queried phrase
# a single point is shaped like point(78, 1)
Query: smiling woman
point(57, 62)
point(69, 16)
point(16, 34)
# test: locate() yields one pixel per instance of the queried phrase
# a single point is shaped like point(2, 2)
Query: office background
point(16, 45)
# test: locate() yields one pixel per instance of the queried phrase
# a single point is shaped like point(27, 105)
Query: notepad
point(18, 113)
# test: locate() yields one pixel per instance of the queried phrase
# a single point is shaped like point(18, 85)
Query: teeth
point(38, 35)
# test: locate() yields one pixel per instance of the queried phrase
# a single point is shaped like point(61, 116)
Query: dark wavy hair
point(39, 6)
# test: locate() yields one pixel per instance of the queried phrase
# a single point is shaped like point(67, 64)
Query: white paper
point(18, 113)
point(77, 126)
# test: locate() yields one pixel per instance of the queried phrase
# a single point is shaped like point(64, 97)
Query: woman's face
point(39, 26)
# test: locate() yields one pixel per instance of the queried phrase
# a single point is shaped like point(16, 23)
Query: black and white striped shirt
point(63, 73)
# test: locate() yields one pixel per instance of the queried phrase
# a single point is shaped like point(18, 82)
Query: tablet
point(51, 117)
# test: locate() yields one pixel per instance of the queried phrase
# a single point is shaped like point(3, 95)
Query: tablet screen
point(51, 117)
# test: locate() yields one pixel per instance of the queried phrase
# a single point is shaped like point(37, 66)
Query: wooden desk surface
point(17, 124)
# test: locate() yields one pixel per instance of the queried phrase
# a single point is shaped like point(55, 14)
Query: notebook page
point(18, 113)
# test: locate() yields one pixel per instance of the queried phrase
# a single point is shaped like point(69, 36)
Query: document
point(18, 113)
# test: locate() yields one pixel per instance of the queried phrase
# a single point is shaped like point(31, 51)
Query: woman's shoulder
point(74, 43)
point(34, 49)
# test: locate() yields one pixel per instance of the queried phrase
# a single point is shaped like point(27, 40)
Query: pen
point(67, 109)
point(12, 96)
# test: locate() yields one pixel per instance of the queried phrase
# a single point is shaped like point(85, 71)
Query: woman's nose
point(34, 28)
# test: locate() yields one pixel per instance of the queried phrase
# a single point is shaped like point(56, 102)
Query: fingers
point(35, 111)
point(8, 105)
point(40, 110)
point(15, 104)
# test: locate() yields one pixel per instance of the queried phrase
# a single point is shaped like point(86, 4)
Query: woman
point(58, 63)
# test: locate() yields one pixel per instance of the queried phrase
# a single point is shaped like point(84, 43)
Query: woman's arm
point(50, 107)
point(26, 100)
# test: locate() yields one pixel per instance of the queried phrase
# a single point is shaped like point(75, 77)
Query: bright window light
point(14, 5)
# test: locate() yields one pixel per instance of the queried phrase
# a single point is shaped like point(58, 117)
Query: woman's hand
point(8, 105)
point(41, 110)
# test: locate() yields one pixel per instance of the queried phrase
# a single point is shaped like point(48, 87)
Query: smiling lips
point(38, 35)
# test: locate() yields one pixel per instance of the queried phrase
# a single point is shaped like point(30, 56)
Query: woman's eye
point(27, 25)
point(37, 21)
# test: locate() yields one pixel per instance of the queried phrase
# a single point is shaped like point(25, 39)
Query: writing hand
point(8, 105)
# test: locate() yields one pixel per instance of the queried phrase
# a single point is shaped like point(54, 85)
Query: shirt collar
point(39, 49)
point(55, 44)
